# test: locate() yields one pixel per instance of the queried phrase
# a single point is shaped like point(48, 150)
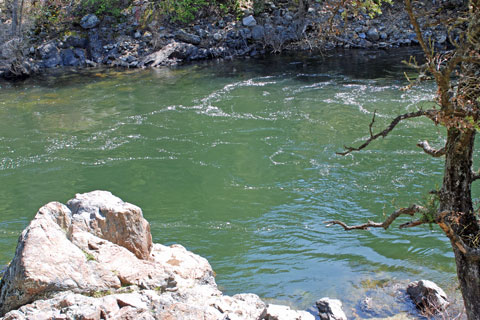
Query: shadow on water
point(360, 64)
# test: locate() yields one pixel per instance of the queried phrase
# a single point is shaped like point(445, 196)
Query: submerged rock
point(94, 259)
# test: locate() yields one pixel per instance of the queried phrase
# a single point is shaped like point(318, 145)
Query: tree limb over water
point(431, 151)
point(452, 208)
point(388, 221)
point(431, 113)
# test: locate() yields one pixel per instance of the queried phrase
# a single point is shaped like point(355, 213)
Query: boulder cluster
point(131, 44)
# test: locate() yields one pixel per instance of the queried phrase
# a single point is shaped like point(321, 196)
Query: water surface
point(236, 161)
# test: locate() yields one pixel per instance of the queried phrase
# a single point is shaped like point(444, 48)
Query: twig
point(411, 224)
point(418, 32)
point(385, 224)
point(430, 113)
point(431, 151)
point(371, 123)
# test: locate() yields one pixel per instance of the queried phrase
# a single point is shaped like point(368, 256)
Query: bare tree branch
point(385, 224)
point(431, 151)
point(371, 123)
point(429, 113)
point(411, 224)
point(475, 176)
point(416, 27)
point(434, 62)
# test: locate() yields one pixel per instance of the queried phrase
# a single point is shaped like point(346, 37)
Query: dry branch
point(431, 151)
point(429, 113)
point(475, 176)
point(385, 224)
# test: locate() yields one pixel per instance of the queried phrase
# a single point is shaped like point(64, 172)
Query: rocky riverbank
point(131, 44)
point(94, 258)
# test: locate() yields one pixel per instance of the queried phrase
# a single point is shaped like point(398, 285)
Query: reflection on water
point(236, 160)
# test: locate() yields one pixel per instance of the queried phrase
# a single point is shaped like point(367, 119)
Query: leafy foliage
point(431, 205)
point(370, 7)
point(258, 6)
point(181, 10)
point(103, 7)
point(186, 11)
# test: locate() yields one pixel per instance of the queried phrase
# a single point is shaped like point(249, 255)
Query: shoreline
point(97, 233)
point(104, 43)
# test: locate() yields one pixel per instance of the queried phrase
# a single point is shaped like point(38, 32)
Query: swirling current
point(237, 161)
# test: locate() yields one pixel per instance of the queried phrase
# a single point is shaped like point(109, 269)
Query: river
point(236, 161)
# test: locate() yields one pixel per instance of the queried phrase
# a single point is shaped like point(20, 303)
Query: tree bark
point(14, 17)
point(468, 271)
point(455, 198)
point(455, 194)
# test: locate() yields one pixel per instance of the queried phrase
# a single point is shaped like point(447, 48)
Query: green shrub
point(258, 6)
point(185, 11)
point(182, 10)
point(103, 8)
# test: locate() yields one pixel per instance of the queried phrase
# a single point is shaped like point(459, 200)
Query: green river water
point(236, 161)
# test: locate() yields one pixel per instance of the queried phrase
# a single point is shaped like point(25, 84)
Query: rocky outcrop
point(278, 312)
point(330, 309)
point(429, 298)
point(102, 214)
point(94, 259)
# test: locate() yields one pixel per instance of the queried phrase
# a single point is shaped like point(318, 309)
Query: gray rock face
point(50, 55)
point(249, 21)
point(372, 34)
point(94, 47)
point(89, 21)
point(76, 42)
point(427, 296)
point(330, 309)
point(188, 37)
point(258, 33)
point(73, 58)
